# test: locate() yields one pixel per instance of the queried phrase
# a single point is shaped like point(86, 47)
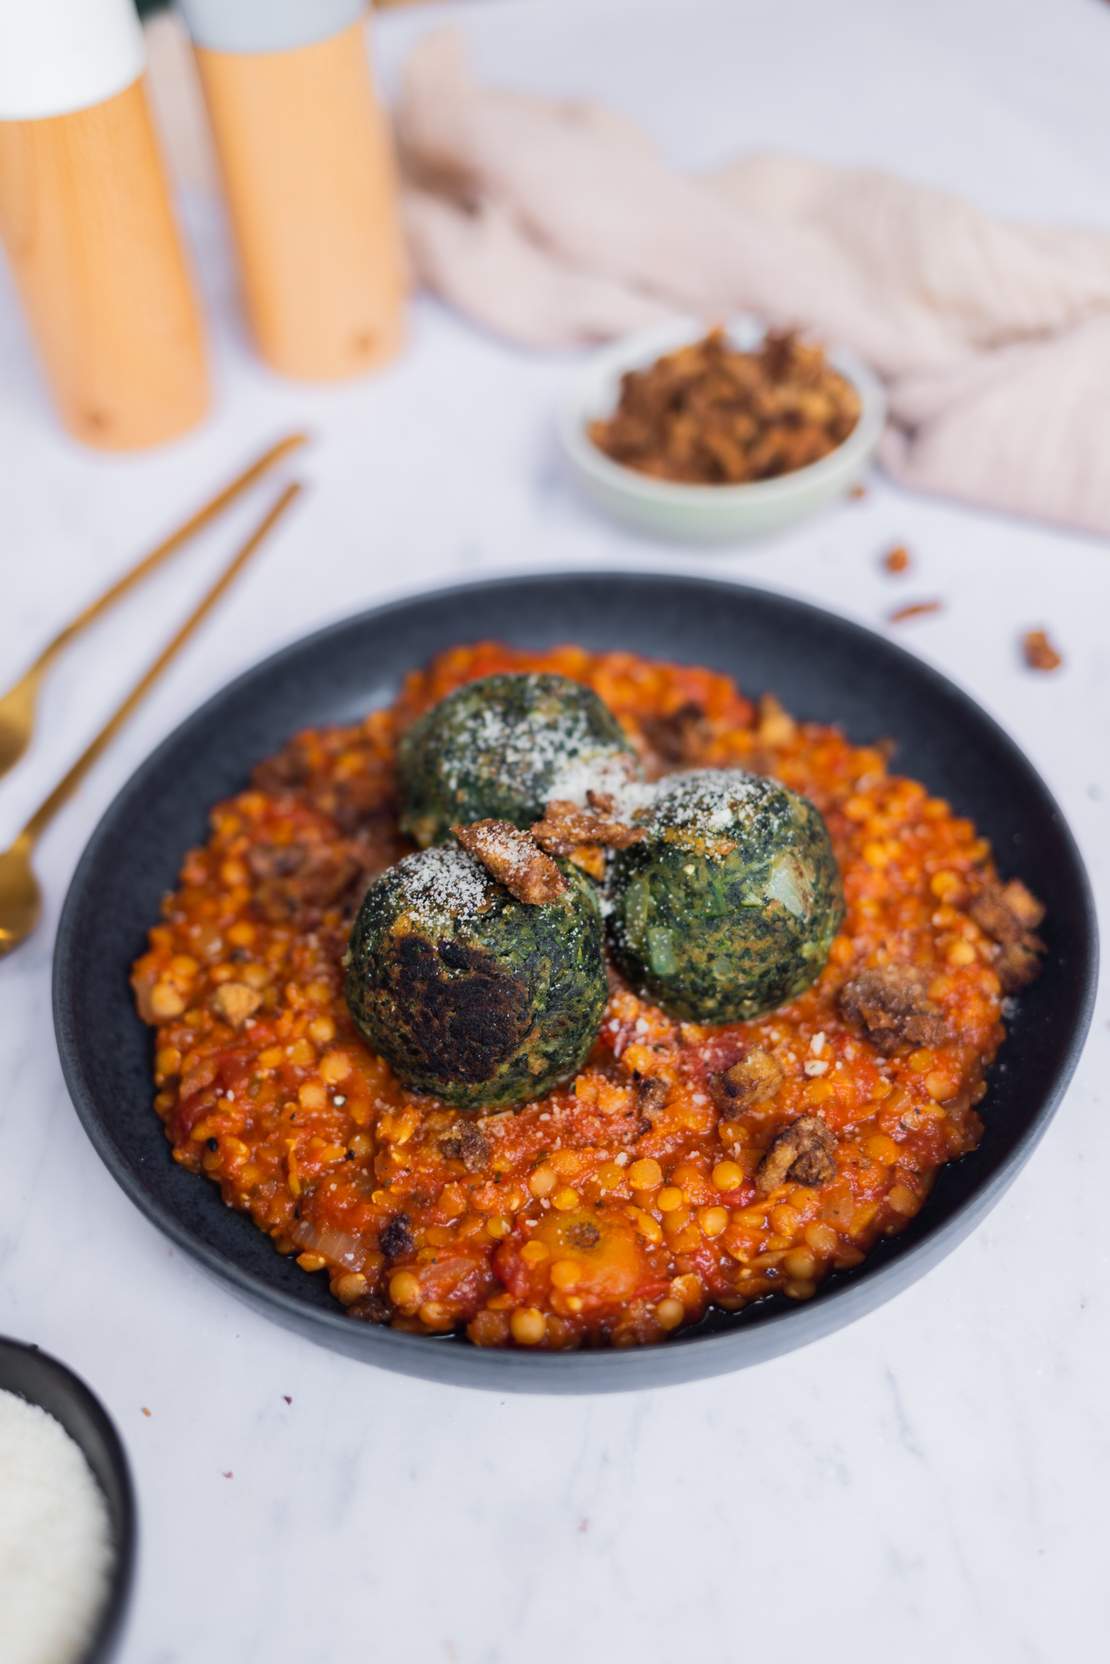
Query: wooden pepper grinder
point(86, 219)
point(308, 172)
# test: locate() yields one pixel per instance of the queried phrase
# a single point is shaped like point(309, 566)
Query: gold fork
point(17, 706)
point(20, 895)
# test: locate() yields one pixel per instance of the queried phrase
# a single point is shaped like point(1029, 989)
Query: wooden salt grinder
point(308, 172)
point(86, 219)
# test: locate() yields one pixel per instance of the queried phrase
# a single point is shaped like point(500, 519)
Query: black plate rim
point(77, 1391)
point(612, 1368)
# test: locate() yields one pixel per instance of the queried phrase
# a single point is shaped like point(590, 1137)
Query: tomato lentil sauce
point(620, 1207)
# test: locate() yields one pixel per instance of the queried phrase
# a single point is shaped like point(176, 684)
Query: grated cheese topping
point(721, 801)
point(444, 882)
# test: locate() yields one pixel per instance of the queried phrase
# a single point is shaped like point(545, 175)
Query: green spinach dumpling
point(471, 995)
point(499, 748)
point(731, 903)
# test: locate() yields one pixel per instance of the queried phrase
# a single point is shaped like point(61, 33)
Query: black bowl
point(823, 668)
point(42, 1380)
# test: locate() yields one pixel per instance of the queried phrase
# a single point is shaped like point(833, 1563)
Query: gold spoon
point(20, 896)
point(17, 706)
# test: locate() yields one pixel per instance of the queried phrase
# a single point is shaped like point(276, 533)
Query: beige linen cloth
point(552, 223)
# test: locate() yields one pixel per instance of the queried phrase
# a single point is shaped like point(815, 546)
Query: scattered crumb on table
point(1039, 652)
point(915, 609)
point(897, 559)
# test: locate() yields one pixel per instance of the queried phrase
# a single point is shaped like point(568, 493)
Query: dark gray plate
point(823, 668)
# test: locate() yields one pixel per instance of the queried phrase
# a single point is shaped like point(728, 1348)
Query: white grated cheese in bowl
point(56, 1549)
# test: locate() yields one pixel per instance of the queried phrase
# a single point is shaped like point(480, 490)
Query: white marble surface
point(929, 1483)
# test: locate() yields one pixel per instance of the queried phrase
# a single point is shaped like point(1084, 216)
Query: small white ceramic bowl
point(708, 513)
